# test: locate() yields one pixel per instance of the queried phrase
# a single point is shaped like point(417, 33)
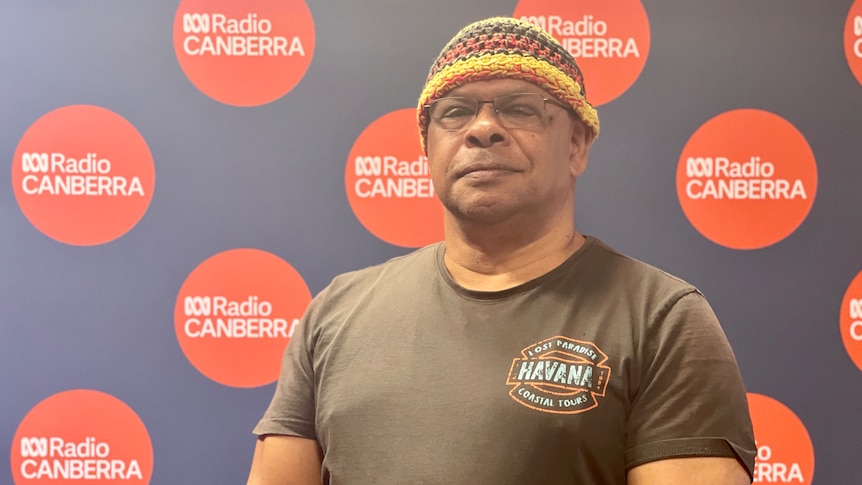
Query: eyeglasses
point(515, 110)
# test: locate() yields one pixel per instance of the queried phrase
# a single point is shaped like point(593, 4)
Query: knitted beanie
point(507, 48)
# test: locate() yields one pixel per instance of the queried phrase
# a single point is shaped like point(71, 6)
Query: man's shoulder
point(410, 265)
point(625, 270)
point(379, 286)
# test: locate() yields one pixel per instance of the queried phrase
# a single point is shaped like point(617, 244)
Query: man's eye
point(454, 112)
point(520, 111)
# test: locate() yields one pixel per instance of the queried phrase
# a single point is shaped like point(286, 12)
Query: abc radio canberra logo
point(853, 39)
point(244, 53)
point(746, 179)
point(388, 183)
point(388, 177)
point(83, 175)
point(851, 320)
point(609, 40)
point(81, 435)
point(54, 458)
point(219, 35)
point(59, 174)
point(721, 178)
point(218, 317)
point(785, 453)
point(236, 312)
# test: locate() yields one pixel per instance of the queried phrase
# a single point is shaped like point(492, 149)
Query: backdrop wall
point(182, 177)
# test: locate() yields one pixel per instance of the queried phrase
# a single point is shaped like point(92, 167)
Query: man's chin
point(484, 210)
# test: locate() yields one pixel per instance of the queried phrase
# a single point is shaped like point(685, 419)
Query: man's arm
point(285, 460)
point(690, 471)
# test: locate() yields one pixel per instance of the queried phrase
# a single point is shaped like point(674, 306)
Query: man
point(517, 351)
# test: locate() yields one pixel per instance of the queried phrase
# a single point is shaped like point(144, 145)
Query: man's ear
point(582, 140)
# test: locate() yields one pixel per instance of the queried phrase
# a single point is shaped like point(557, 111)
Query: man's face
point(488, 173)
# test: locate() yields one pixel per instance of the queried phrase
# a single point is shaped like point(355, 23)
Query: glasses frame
point(493, 103)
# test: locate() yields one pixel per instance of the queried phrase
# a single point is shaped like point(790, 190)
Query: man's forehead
point(496, 87)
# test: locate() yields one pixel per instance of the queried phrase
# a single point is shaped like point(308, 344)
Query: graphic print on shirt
point(559, 375)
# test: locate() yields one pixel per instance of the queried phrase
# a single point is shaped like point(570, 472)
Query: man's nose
point(485, 129)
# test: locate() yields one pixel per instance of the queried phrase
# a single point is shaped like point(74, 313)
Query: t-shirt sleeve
point(691, 400)
point(291, 411)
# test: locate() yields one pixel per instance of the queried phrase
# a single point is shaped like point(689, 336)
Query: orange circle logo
point(746, 179)
point(236, 312)
point(609, 40)
point(784, 450)
point(82, 435)
point(83, 175)
point(245, 53)
point(851, 320)
point(389, 185)
point(853, 39)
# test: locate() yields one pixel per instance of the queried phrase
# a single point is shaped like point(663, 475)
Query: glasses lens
point(520, 110)
point(453, 113)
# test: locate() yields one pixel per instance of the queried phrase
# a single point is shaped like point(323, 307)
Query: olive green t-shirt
point(600, 365)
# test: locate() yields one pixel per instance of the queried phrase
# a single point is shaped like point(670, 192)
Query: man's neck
point(489, 260)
